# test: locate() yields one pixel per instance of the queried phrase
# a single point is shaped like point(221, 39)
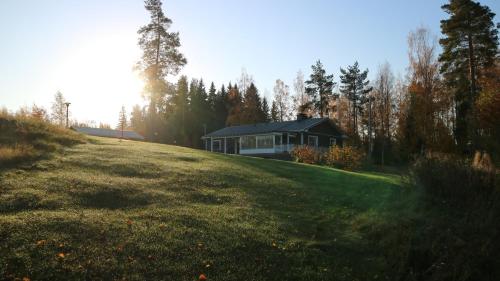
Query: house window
point(265, 141)
point(312, 141)
point(277, 139)
point(333, 141)
point(217, 145)
point(248, 142)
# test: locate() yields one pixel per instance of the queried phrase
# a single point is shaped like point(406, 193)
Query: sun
point(98, 78)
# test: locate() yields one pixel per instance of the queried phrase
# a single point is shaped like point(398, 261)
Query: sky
point(87, 49)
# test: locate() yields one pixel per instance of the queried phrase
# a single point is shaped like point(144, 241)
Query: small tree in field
point(122, 121)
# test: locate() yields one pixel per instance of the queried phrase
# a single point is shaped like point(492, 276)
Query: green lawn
point(138, 211)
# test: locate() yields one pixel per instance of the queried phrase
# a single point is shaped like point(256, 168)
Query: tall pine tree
point(177, 121)
point(274, 113)
point(211, 101)
point(319, 88)
point(160, 57)
point(199, 112)
point(470, 45)
point(266, 117)
point(355, 87)
point(221, 108)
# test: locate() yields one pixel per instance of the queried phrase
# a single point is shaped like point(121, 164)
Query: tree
point(470, 45)
point(319, 88)
point(282, 100)
point(383, 105)
point(301, 99)
point(160, 57)
point(104, 126)
point(122, 120)
point(245, 81)
point(274, 112)
point(266, 117)
point(426, 105)
point(488, 113)
point(137, 119)
point(58, 114)
point(211, 101)
point(252, 106)
point(199, 112)
point(221, 108)
point(234, 102)
point(177, 121)
point(355, 87)
point(39, 113)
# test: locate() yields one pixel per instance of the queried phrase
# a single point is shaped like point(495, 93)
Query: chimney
point(302, 116)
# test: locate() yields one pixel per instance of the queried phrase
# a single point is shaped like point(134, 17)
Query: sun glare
point(100, 73)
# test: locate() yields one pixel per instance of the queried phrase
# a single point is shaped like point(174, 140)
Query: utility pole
point(67, 113)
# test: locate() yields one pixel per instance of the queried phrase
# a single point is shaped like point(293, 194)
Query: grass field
point(110, 210)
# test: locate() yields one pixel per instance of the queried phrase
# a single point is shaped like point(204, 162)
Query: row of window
point(257, 142)
point(265, 142)
point(313, 141)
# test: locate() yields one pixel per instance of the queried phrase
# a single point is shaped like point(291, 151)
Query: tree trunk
point(382, 151)
point(472, 74)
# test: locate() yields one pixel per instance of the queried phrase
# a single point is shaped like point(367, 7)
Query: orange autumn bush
point(306, 154)
point(346, 157)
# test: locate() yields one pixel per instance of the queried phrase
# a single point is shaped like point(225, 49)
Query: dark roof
point(262, 128)
point(109, 133)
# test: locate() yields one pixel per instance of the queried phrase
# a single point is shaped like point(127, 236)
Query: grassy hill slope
point(25, 139)
point(138, 211)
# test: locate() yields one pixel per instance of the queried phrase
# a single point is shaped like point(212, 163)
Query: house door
point(236, 145)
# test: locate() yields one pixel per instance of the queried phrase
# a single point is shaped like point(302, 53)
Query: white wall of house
point(257, 151)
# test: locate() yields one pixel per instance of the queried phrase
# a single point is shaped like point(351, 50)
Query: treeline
point(187, 110)
point(447, 102)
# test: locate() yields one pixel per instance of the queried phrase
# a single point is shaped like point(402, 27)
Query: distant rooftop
point(130, 135)
point(263, 128)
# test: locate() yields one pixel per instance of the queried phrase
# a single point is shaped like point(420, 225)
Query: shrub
point(456, 181)
point(306, 154)
point(346, 157)
point(14, 154)
point(459, 237)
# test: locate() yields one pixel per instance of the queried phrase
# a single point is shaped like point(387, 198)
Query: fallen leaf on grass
point(41, 242)
point(202, 277)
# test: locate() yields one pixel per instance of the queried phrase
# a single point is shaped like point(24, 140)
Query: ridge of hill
point(26, 138)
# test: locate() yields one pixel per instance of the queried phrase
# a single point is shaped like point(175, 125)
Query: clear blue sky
point(87, 49)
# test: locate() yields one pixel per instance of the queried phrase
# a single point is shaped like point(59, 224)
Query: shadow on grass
point(132, 170)
point(26, 201)
point(114, 198)
point(188, 159)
